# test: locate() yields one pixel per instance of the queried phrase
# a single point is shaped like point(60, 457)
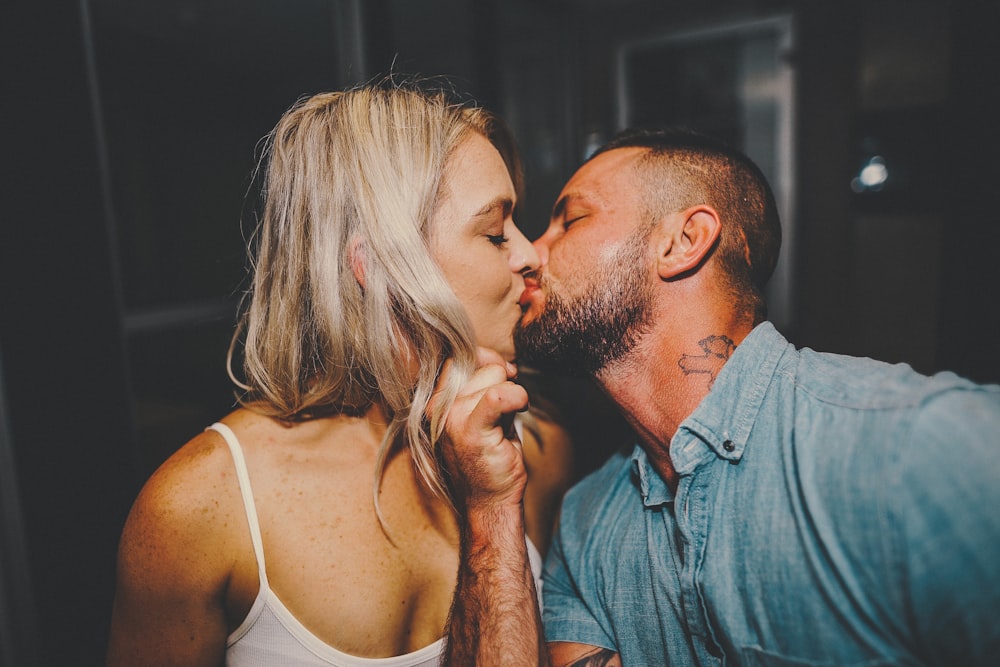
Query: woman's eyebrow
point(506, 204)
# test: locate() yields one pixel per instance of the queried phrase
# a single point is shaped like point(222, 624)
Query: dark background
point(131, 136)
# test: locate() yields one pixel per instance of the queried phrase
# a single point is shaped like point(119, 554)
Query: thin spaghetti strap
point(243, 475)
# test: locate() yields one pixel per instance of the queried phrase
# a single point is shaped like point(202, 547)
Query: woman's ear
point(356, 257)
point(689, 237)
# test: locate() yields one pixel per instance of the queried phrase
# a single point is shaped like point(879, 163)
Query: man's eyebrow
point(560, 206)
point(586, 199)
point(506, 204)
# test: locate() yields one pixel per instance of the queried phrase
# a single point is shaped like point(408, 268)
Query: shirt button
point(728, 445)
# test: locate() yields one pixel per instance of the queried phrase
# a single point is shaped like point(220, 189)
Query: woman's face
point(474, 240)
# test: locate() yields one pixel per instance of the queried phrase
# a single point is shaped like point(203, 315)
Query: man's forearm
point(495, 618)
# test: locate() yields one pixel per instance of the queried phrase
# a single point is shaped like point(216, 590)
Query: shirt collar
point(724, 418)
point(652, 487)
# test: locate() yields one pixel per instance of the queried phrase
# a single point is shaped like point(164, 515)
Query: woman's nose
point(523, 255)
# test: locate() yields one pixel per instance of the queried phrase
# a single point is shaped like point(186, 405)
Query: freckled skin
point(187, 571)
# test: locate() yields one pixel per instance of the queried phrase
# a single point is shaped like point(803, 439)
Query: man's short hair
point(684, 168)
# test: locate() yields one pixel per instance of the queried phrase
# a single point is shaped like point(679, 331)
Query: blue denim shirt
point(830, 511)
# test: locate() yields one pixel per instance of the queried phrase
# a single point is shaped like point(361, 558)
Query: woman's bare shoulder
point(176, 558)
point(183, 514)
point(193, 479)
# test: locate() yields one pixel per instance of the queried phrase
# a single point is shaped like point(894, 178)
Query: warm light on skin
point(595, 213)
point(480, 250)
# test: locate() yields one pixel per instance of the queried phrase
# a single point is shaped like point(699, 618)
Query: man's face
point(592, 299)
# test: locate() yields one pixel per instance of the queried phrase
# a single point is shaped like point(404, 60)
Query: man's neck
point(665, 378)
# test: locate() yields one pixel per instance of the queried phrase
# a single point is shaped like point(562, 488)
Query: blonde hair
point(346, 300)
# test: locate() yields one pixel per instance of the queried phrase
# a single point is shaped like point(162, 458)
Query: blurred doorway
point(733, 81)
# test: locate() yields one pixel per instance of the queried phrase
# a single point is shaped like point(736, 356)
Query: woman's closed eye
point(499, 240)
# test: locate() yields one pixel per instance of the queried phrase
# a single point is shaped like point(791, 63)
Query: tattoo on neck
point(715, 351)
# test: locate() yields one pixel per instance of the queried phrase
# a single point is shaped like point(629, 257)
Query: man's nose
point(542, 248)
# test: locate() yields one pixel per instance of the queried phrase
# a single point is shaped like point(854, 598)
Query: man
point(783, 507)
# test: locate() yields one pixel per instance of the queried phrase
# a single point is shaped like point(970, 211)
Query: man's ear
point(356, 258)
point(689, 237)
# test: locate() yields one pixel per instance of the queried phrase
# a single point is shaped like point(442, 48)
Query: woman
point(312, 526)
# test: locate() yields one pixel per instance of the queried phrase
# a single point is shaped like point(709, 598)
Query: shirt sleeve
point(567, 616)
point(950, 527)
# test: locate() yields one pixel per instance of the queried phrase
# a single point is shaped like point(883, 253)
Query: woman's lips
point(530, 287)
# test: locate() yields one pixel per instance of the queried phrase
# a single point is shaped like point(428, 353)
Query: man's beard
point(585, 334)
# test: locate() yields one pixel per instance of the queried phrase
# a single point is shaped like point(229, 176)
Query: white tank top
point(270, 635)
